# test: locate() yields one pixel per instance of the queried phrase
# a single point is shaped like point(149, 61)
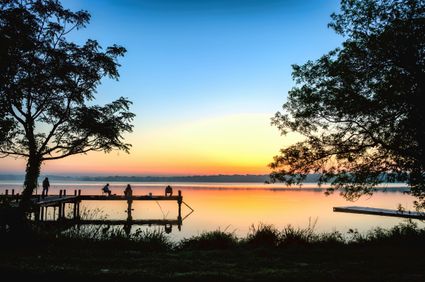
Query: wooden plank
point(120, 222)
point(55, 200)
point(52, 198)
point(124, 198)
point(381, 212)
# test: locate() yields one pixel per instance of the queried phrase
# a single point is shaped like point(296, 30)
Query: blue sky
point(190, 59)
point(213, 71)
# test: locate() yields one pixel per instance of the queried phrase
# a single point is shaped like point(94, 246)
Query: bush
point(210, 240)
point(264, 235)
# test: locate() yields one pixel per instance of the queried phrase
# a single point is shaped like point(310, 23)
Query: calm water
point(235, 207)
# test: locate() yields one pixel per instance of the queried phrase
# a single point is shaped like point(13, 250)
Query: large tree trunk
point(31, 181)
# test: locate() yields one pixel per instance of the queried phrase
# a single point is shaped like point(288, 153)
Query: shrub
point(264, 235)
point(210, 240)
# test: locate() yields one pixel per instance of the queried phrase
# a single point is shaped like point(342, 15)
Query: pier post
point(7, 192)
point(75, 210)
point(13, 192)
point(129, 209)
point(37, 214)
point(180, 201)
point(74, 213)
point(41, 213)
point(59, 211)
point(78, 204)
point(60, 193)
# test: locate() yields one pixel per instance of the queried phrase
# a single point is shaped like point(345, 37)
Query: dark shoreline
point(265, 255)
point(363, 263)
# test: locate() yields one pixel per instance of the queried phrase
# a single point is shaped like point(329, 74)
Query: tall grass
point(406, 233)
point(210, 240)
point(259, 236)
point(263, 235)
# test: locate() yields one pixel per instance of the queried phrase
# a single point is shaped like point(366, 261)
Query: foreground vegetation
point(266, 253)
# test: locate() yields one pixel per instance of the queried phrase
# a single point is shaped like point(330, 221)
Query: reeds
point(210, 240)
point(259, 236)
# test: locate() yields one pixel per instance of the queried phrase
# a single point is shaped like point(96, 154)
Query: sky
point(205, 78)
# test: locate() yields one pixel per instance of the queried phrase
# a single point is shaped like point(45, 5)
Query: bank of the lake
point(366, 263)
point(265, 255)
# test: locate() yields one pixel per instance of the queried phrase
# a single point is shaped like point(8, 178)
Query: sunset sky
point(205, 77)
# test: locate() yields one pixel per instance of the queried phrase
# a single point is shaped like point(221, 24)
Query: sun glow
point(236, 144)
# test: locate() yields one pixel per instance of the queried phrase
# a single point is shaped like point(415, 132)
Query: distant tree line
point(235, 178)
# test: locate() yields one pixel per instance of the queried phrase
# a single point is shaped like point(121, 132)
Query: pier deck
point(41, 204)
point(381, 212)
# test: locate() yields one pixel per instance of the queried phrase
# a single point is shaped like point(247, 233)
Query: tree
point(360, 106)
point(47, 85)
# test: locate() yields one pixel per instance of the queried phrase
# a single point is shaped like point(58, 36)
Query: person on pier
point(168, 191)
point(128, 192)
point(46, 185)
point(106, 189)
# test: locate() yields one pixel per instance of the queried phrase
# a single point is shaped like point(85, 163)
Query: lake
point(236, 206)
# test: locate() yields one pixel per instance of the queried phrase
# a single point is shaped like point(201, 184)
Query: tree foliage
point(360, 106)
point(47, 87)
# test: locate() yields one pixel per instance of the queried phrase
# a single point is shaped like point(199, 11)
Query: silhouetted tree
point(360, 107)
point(47, 84)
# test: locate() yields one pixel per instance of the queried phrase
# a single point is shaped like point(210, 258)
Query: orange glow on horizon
point(237, 144)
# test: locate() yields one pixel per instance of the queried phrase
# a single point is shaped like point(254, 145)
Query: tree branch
point(69, 154)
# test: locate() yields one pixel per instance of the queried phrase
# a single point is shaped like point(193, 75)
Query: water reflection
point(235, 207)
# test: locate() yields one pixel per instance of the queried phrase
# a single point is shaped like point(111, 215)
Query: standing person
point(46, 186)
point(128, 192)
point(106, 189)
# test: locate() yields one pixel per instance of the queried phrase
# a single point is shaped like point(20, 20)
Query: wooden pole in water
point(41, 213)
point(37, 213)
point(74, 215)
point(7, 192)
point(180, 201)
point(60, 210)
point(78, 204)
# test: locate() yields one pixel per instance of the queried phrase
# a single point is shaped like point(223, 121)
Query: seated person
point(106, 189)
point(168, 191)
point(128, 192)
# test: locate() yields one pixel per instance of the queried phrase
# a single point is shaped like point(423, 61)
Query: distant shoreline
point(219, 178)
point(118, 178)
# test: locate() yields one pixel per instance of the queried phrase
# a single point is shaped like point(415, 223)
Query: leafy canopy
point(47, 85)
point(360, 107)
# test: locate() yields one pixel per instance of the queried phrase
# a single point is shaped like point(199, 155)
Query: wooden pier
point(41, 205)
point(381, 212)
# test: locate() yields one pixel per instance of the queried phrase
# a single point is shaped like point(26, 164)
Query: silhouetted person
point(168, 191)
point(128, 192)
point(46, 186)
point(106, 189)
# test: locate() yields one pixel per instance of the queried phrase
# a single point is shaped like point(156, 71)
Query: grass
point(213, 240)
point(265, 254)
